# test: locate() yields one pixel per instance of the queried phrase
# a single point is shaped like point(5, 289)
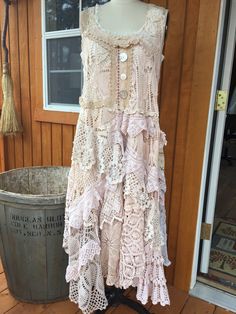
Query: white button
point(123, 56)
point(123, 76)
point(123, 93)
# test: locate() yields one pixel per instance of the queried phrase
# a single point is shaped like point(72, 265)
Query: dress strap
point(84, 19)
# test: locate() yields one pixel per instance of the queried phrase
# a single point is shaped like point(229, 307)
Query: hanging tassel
point(9, 122)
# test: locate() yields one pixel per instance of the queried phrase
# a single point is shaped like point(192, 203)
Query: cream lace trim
point(151, 35)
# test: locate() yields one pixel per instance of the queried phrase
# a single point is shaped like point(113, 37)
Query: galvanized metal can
point(32, 205)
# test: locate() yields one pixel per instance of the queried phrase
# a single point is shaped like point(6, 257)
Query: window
point(61, 45)
point(62, 66)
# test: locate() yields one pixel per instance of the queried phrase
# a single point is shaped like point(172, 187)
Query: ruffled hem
point(105, 147)
point(89, 291)
point(81, 210)
point(154, 287)
point(93, 307)
point(152, 284)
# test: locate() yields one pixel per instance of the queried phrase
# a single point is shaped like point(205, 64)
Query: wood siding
point(184, 103)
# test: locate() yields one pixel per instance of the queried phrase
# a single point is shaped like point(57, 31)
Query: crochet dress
point(115, 219)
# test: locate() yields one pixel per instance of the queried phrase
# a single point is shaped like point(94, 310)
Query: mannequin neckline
point(126, 34)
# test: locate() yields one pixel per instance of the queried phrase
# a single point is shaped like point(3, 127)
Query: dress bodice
point(121, 71)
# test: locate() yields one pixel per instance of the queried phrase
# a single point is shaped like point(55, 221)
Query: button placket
point(123, 72)
point(117, 83)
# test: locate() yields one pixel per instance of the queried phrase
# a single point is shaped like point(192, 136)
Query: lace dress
point(115, 220)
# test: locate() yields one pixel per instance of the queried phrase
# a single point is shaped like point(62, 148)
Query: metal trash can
point(32, 205)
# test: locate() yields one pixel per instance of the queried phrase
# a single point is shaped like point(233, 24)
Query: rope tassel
point(9, 122)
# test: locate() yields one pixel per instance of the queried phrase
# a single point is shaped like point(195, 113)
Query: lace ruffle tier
point(115, 226)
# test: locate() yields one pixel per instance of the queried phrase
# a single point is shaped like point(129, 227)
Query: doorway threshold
point(213, 295)
point(216, 284)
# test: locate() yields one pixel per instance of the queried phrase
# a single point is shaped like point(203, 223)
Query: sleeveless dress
point(115, 219)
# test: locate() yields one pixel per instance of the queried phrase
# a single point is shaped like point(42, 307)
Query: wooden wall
point(185, 92)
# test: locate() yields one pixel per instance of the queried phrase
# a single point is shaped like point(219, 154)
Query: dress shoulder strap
point(84, 19)
point(165, 18)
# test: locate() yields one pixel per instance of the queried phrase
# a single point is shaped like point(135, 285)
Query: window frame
point(76, 32)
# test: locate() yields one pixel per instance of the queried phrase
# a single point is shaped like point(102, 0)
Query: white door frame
point(230, 42)
point(219, 134)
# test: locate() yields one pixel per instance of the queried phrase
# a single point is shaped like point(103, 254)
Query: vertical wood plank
point(196, 131)
point(1, 50)
point(25, 86)
point(10, 140)
point(67, 144)
point(2, 138)
point(169, 101)
point(190, 30)
point(47, 143)
point(15, 73)
point(34, 22)
point(2, 154)
point(56, 144)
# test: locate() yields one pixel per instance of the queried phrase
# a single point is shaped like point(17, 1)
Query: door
point(217, 151)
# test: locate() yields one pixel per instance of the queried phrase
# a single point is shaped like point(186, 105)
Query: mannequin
point(122, 17)
point(132, 13)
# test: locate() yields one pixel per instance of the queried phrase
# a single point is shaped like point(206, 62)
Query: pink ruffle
point(87, 253)
point(72, 272)
point(152, 179)
point(162, 191)
point(115, 129)
point(81, 208)
point(134, 124)
point(162, 186)
point(154, 283)
point(112, 206)
point(163, 140)
point(133, 162)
